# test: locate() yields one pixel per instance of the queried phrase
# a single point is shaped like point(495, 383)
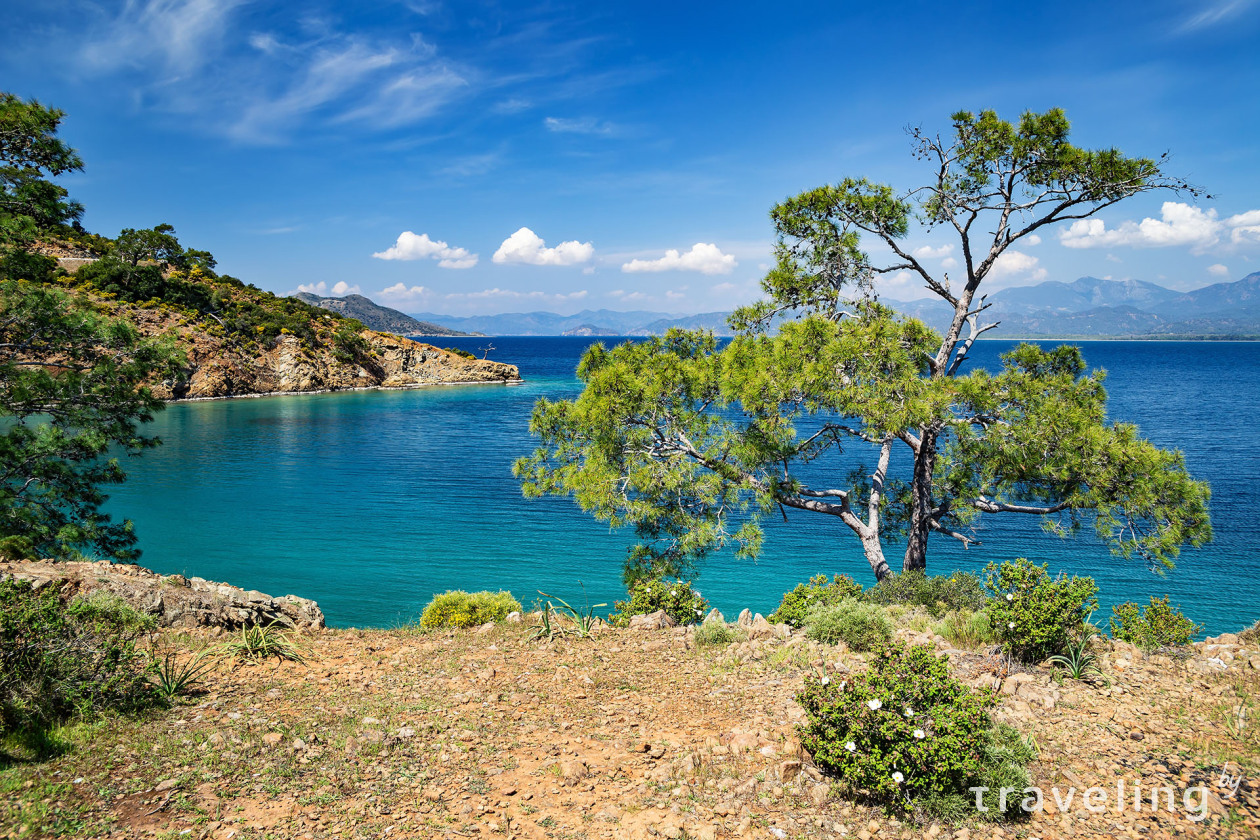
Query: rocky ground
point(633, 733)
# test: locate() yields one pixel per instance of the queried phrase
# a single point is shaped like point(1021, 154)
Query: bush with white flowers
point(677, 598)
point(901, 730)
point(1037, 616)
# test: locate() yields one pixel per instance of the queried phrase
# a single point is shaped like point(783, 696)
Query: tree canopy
point(72, 381)
point(691, 443)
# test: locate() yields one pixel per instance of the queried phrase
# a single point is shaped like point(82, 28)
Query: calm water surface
point(370, 502)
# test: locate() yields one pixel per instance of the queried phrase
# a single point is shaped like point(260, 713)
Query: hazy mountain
point(374, 316)
point(1087, 307)
point(586, 322)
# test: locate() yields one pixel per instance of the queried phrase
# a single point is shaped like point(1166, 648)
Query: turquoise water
point(370, 502)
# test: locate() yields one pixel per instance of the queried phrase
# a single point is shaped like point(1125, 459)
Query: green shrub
point(967, 629)
point(676, 598)
point(905, 730)
point(467, 609)
point(464, 354)
point(64, 660)
point(938, 594)
point(859, 625)
point(1250, 636)
point(797, 603)
point(719, 633)
point(1153, 626)
point(1035, 616)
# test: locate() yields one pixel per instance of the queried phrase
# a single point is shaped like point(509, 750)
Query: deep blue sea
point(370, 502)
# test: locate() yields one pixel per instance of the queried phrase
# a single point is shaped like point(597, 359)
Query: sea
point(370, 502)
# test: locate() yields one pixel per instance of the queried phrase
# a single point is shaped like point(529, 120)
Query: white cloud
point(400, 295)
point(1015, 264)
point(583, 125)
point(949, 262)
point(525, 246)
point(1215, 13)
point(411, 246)
point(928, 252)
point(1219, 270)
point(1179, 225)
point(178, 33)
point(704, 258)
point(1032, 239)
point(340, 289)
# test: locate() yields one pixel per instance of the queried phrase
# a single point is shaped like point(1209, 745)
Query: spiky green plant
point(173, 677)
point(263, 642)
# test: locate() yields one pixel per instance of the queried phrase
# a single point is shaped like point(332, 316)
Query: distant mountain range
point(586, 322)
point(374, 316)
point(1085, 308)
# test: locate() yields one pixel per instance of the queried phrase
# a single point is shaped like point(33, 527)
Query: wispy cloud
point(1216, 13)
point(411, 246)
point(704, 258)
point(179, 34)
point(582, 125)
point(527, 247)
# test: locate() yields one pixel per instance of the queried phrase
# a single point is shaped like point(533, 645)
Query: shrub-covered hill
point(374, 316)
point(237, 339)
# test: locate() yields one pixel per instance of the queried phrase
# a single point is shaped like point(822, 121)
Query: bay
point(370, 502)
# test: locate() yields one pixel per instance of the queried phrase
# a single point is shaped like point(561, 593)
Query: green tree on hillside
point(71, 380)
point(690, 444)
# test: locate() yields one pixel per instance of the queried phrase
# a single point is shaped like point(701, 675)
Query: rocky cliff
point(172, 600)
point(218, 366)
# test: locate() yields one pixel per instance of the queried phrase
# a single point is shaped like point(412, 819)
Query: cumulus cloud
point(949, 262)
point(1179, 225)
point(704, 258)
point(928, 252)
point(1016, 264)
point(340, 289)
point(1032, 239)
point(1218, 270)
point(411, 246)
point(527, 247)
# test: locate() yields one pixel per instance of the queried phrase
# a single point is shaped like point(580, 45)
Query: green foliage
point(463, 354)
point(62, 416)
point(30, 153)
point(805, 596)
point(348, 345)
point(1035, 616)
point(1154, 626)
point(64, 660)
point(966, 629)
point(714, 632)
point(566, 619)
point(457, 608)
point(859, 625)
point(263, 642)
point(174, 676)
point(677, 598)
point(905, 730)
point(938, 594)
point(689, 444)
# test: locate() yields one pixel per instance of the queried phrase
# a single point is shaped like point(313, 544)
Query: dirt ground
point(629, 734)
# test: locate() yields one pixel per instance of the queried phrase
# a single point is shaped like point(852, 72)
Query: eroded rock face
point(217, 367)
point(174, 601)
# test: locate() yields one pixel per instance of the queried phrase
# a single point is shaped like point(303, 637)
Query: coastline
point(408, 387)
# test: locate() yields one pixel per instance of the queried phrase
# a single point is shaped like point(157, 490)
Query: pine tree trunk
point(921, 504)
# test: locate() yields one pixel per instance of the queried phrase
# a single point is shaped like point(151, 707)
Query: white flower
point(850, 746)
point(698, 612)
point(1011, 625)
point(842, 685)
point(898, 778)
point(920, 734)
point(673, 593)
point(825, 680)
point(909, 712)
point(1010, 597)
point(873, 704)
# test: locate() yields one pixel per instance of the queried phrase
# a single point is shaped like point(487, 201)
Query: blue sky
point(481, 157)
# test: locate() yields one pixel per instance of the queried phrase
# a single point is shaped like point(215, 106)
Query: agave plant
point(173, 677)
point(263, 642)
point(1079, 660)
point(584, 621)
